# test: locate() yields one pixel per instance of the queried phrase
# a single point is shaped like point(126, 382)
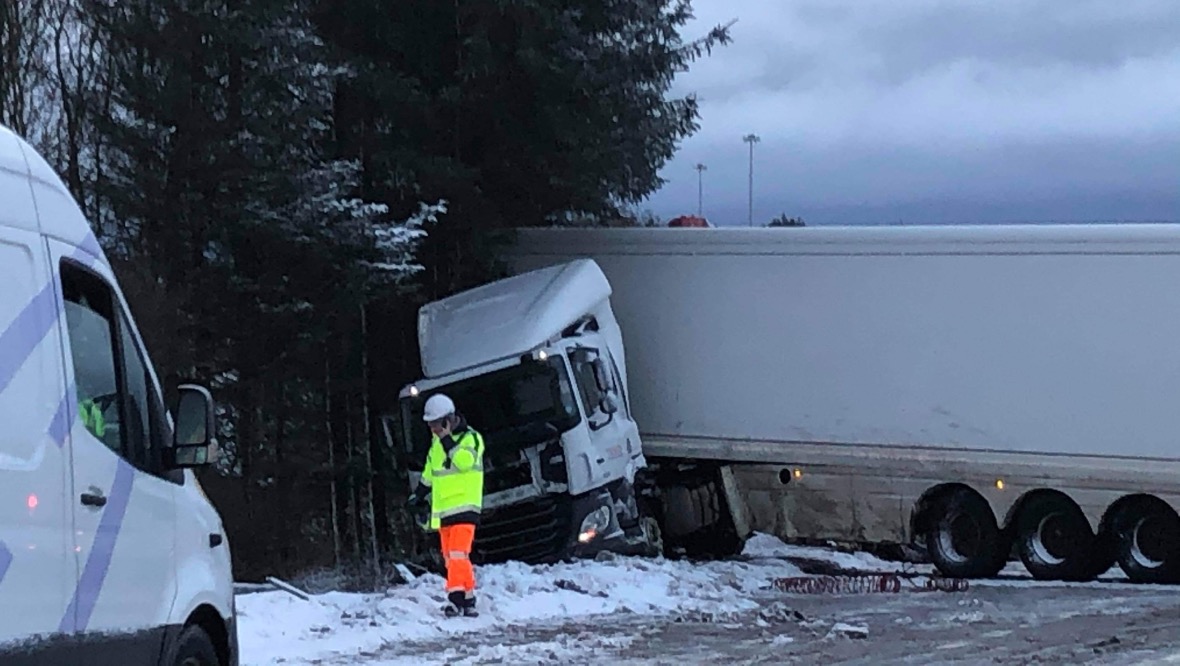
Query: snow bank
point(277, 628)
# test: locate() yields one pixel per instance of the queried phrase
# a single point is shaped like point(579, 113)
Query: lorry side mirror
point(601, 376)
point(194, 435)
point(608, 403)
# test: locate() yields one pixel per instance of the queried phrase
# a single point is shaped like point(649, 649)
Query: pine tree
point(515, 112)
point(227, 182)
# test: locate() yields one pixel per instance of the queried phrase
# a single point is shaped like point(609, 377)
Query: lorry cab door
point(614, 435)
point(124, 503)
point(36, 546)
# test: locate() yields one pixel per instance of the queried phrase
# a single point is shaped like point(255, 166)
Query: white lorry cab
point(110, 553)
point(535, 362)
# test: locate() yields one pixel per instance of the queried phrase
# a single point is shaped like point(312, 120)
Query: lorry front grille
point(534, 532)
point(509, 476)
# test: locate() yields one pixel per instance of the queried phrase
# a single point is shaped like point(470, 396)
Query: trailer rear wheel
point(1054, 539)
point(1147, 542)
point(963, 540)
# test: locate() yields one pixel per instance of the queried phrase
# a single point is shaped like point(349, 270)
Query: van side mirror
point(195, 432)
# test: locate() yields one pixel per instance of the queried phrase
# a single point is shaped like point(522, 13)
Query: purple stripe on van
point(94, 574)
point(5, 560)
point(20, 339)
point(63, 419)
point(90, 244)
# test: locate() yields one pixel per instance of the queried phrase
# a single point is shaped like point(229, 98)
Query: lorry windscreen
point(515, 407)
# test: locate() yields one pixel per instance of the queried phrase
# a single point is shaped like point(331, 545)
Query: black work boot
point(469, 607)
point(455, 603)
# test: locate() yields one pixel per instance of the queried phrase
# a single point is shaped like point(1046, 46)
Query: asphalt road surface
point(996, 623)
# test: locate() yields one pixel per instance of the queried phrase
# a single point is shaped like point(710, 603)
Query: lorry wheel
point(653, 537)
point(195, 648)
point(963, 540)
point(1146, 546)
point(1054, 539)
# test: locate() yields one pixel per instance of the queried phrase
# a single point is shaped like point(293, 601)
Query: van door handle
point(93, 499)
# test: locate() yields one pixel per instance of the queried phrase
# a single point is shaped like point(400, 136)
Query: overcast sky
point(912, 111)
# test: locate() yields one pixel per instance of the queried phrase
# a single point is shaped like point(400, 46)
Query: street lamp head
point(751, 138)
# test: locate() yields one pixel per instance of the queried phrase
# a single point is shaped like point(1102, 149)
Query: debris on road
point(563, 584)
point(867, 584)
point(779, 613)
point(857, 631)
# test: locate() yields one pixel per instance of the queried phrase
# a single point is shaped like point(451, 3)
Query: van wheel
point(963, 540)
point(195, 648)
point(1054, 539)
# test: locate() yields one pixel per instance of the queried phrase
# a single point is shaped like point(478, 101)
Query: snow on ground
point(277, 628)
point(766, 546)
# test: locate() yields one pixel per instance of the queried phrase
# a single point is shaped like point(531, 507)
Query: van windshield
point(513, 408)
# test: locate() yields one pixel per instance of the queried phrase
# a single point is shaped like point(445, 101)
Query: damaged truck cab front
point(536, 364)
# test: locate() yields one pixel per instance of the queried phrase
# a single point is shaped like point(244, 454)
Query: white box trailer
point(974, 390)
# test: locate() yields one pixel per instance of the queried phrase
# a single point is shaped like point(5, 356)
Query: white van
point(110, 553)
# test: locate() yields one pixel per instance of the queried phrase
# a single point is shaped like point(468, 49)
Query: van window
point(90, 325)
point(111, 372)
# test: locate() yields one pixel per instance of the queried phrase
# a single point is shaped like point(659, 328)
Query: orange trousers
point(456, 551)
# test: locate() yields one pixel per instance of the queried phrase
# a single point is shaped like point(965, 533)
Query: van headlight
point(593, 524)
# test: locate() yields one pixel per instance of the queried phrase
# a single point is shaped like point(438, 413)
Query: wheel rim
point(1147, 543)
point(1052, 541)
point(960, 537)
point(653, 535)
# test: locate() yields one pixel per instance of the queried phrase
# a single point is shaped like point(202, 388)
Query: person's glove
point(419, 507)
point(421, 516)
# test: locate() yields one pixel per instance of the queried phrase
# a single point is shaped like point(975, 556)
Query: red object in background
point(689, 221)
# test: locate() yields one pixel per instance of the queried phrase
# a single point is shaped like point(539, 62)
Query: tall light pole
point(701, 168)
point(751, 139)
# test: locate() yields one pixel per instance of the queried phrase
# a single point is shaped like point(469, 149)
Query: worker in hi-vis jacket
point(453, 478)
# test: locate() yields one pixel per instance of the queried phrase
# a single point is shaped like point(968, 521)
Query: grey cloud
point(1027, 34)
point(1011, 109)
point(802, 44)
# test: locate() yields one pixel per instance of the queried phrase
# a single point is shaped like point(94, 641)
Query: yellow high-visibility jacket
point(456, 480)
point(92, 418)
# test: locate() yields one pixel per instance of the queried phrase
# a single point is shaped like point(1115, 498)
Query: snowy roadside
point(277, 628)
point(557, 611)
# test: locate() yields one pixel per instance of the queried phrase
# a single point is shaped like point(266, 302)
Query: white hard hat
point(437, 407)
